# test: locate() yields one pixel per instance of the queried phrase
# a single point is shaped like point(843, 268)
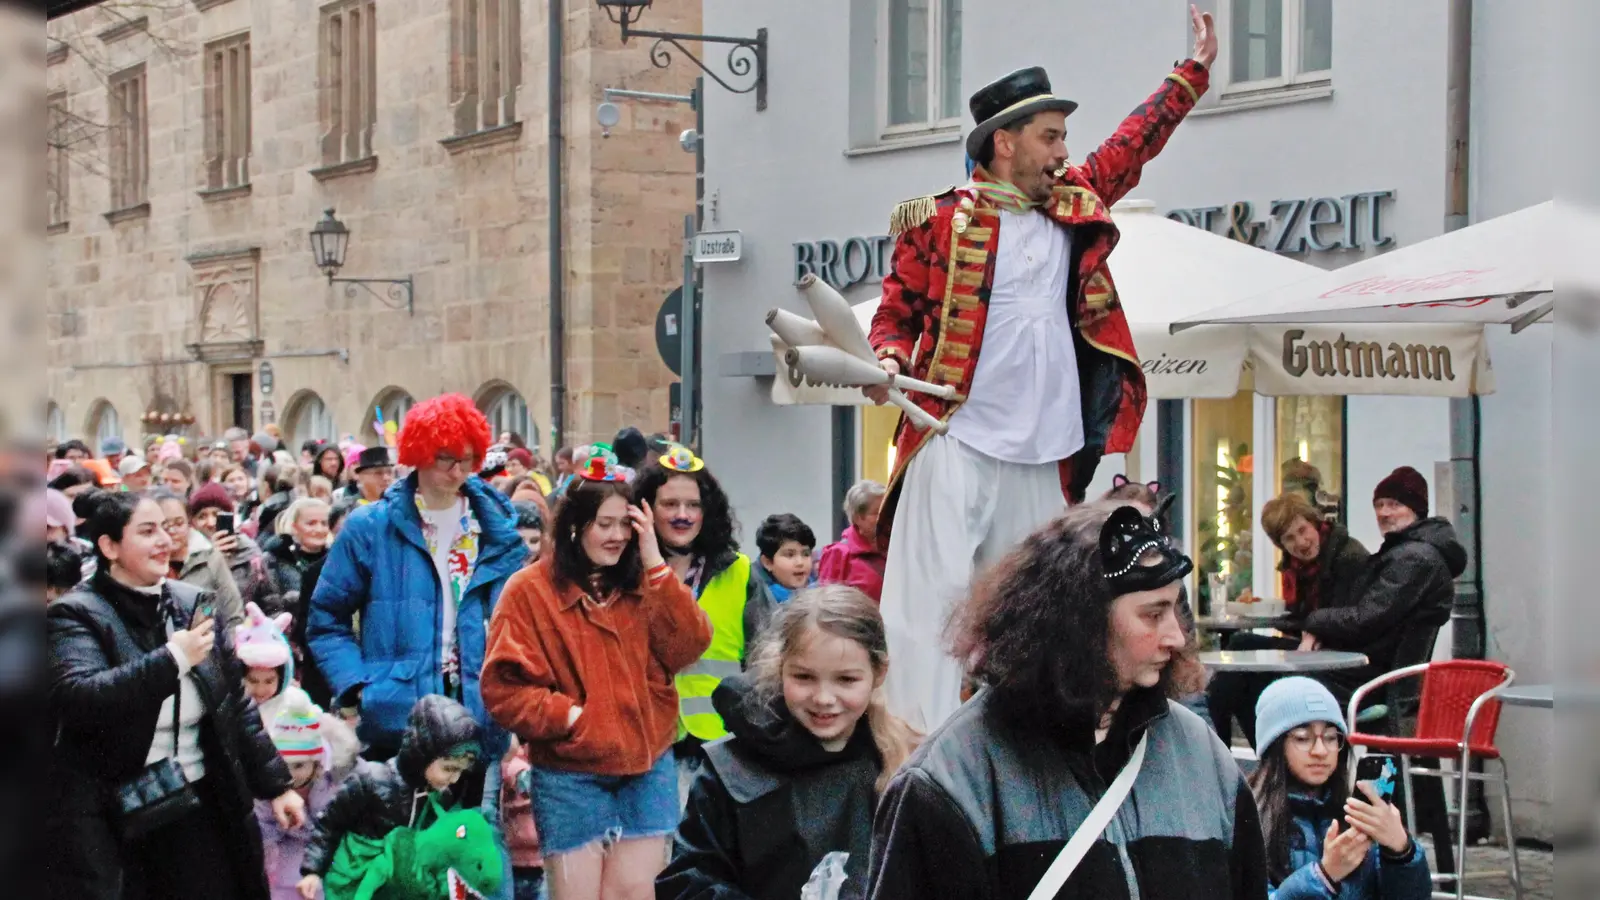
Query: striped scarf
point(1001, 194)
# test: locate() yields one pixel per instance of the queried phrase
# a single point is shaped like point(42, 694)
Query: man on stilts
point(1013, 265)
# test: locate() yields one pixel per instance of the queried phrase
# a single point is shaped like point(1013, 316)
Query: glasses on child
point(1304, 740)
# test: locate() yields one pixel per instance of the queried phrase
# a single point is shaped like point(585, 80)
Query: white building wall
point(789, 174)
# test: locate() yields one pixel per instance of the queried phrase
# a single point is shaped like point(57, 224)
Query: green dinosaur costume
point(415, 864)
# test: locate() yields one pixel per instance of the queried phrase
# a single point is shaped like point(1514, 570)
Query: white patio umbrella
point(1498, 271)
point(1166, 271)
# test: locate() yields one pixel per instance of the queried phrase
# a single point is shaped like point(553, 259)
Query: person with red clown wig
point(423, 568)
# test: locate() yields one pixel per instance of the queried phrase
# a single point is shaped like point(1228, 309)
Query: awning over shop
point(1498, 271)
point(1165, 271)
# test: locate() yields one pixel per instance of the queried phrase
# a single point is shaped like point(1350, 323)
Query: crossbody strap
point(1089, 832)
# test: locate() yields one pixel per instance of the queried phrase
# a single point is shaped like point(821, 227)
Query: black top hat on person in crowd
point(1014, 97)
point(373, 458)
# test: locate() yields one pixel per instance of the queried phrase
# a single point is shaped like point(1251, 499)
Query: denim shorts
point(574, 809)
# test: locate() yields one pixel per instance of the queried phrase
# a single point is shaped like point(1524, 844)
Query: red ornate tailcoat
point(936, 298)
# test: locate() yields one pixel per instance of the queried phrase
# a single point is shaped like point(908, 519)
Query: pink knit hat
point(352, 454)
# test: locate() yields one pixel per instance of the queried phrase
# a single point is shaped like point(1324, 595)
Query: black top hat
point(373, 458)
point(1016, 96)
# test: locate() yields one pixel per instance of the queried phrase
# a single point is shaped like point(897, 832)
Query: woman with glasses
point(1322, 840)
point(195, 560)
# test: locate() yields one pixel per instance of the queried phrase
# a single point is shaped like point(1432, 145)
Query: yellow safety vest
point(723, 600)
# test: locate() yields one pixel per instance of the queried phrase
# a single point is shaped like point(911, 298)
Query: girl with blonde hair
point(813, 745)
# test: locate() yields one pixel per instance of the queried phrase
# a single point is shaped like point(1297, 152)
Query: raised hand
point(1344, 852)
point(1205, 36)
point(196, 642)
point(1378, 820)
point(643, 521)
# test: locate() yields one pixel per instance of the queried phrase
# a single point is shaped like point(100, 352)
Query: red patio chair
point(1456, 720)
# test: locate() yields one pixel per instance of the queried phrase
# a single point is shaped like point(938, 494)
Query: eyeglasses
point(444, 462)
point(173, 526)
point(1303, 740)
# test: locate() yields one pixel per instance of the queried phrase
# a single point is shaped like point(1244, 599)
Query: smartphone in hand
point(1380, 770)
point(225, 522)
point(202, 612)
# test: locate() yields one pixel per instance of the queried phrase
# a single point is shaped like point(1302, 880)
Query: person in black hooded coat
point(379, 797)
point(768, 805)
point(775, 797)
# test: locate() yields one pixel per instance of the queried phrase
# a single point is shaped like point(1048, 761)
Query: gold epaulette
point(914, 212)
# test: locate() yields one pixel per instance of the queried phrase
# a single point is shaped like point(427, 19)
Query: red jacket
point(854, 562)
point(551, 649)
point(932, 323)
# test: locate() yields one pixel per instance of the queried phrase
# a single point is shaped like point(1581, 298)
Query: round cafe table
point(1281, 660)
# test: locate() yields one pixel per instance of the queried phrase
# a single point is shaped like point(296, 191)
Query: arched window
point(55, 422)
point(104, 423)
point(507, 411)
point(309, 419)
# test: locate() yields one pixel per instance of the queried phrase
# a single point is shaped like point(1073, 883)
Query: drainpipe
point(1467, 621)
point(558, 319)
point(1468, 625)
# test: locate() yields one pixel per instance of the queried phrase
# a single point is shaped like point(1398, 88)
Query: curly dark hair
point(716, 541)
point(577, 511)
point(1036, 628)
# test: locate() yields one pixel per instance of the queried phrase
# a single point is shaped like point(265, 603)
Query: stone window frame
point(348, 75)
point(485, 66)
point(58, 184)
point(128, 114)
point(228, 112)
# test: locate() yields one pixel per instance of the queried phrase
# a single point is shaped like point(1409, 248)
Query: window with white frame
point(921, 45)
point(1279, 43)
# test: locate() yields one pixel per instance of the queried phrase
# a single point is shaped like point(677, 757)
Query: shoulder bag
point(1089, 832)
point(159, 795)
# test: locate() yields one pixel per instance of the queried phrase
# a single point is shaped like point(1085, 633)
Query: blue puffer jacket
point(1379, 878)
point(380, 568)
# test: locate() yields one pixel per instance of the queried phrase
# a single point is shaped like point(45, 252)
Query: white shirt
point(191, 710)
point(1024, 405)
point(446, 528)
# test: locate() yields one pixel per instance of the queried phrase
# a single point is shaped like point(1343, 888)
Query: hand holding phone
point(1370, 811)
point(225, 522)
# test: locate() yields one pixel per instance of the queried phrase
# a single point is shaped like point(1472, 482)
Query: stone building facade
point(195, 143)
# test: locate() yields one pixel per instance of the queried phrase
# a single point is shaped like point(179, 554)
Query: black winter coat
point(1341, 566)
point(110, 672)
point(768, 804)
point(1408, 584)
point(378, 797)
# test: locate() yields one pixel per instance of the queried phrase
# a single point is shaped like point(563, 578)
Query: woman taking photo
point(1323, 841)
point(142, 683)
point(582, 650)
point(196, 561)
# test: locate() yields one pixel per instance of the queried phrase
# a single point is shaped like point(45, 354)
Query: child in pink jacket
point(516, 823)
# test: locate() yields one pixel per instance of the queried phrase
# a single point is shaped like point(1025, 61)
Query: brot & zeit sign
point(1300, 225)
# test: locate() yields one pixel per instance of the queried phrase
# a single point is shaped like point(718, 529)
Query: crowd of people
point(256, 682)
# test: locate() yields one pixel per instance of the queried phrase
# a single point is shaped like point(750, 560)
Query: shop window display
point(1222, 497)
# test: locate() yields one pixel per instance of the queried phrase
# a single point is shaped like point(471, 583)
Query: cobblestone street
point(1538, 871)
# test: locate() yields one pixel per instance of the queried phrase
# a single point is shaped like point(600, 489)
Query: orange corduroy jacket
point(552, 649)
